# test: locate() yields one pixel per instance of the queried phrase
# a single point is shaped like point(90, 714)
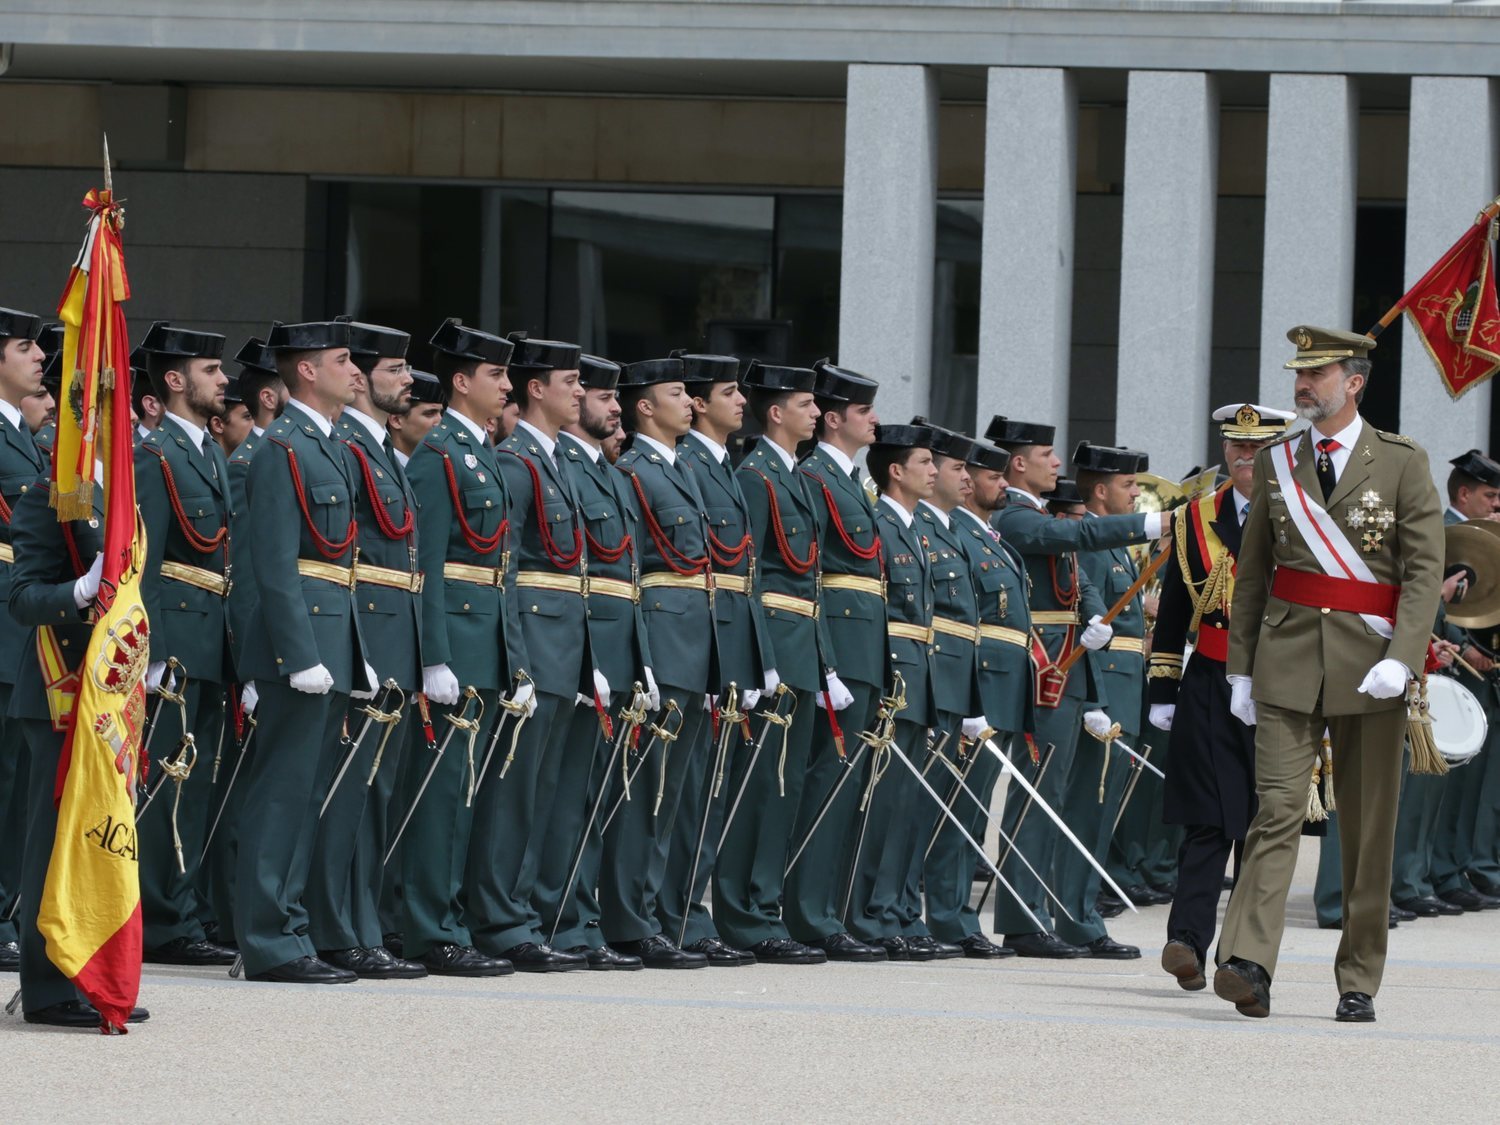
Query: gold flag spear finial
point(108, 179)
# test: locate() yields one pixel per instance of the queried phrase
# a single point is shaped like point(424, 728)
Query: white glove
point(1096, 722)
point(582, 700)
point(601, 686)
point(316, 680)
point(156, 671)
point(773, 681)
point(1096, 635)
point(1241, 706)
point(1154, 521)
point(838, 694)
point(87, 586)
point(249, 697)
point(439, 684)
point(372, 680)
point(709, 700)
point(976, 726)
point(1162, 714)
point(524, 695)
point(750, 699)
point(1386, 680)
point(653, 693)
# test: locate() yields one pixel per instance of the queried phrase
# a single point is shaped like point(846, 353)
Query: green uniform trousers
point(1416, 823)
point(13, 755)
point(571, 912)
point(42, 984)
point(948, 872)
point(885, 842)
point(1367, 784)
point(228, 801)
point(1089, 806)
point(1143, 849)
point(1484, 862)
point(367, 875)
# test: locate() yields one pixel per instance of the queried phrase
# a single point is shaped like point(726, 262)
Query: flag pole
point(1487, 214)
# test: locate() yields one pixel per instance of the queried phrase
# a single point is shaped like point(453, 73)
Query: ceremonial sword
point(460, 720)
point(772, 718)
point(989, 882)
point(1135, 777)
point(730, 716)
point(229, 788)
point(522, 712)
point(374, 712)
point(658, 731)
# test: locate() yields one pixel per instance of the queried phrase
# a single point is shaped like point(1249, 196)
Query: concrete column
point(890, 217)
point(1167, 266)
point(1311, 159)
point(1450, 175)
point(1026, 277)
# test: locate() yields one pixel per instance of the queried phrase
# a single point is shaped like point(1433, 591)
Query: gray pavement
point(951, 1041)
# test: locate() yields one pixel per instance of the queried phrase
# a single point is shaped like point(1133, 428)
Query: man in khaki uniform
point(1339, 574)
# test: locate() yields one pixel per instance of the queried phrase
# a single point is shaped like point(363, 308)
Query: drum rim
point(1465, 700)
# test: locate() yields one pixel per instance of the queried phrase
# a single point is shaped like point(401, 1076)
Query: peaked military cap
point(426, 388)
point(986, 456)
point(597, 373)
point(1477, 465)
point(1063, 493)
point(904, 437)
point(162, 339)
point(651, 373)
point(1107, 459)
point(375, 340)
point(841, 385)
point(705, 370)
point(309, 336)
point(765, 377)
point(543, 355)
point(255, 356)
point(1248, 421)
point(19, 325)
point(1009, 433)
point(1317, 347)
point(452, 338)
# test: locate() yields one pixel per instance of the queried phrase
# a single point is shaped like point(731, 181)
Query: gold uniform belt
point(614, 588)
point(198, 576)
point(1127, 644)
point(950, 628)
point(326, 572)
point(7, 553)
point(541, 580)
point(855, 582)
point(674, 581)
point(909, 632)
point(735, 583)
point(1054, 617)
point(802, 607)
point(409, 580)
point(1005, 634)
point(478, 575)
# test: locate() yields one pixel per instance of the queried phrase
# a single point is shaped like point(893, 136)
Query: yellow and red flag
point(90, 913)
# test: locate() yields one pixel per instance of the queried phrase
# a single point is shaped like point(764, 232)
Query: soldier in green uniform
point(40, 408)
point(742, 649)
point(853, 587)
point(182, 488)
point(22, 464)
point(1065, 613)
point(235, 424)
point(617, 639)
point(427, 403)
point(343, 889)
point(677, 606)
point(751, 868)
point(302, 649)
point(471, 638)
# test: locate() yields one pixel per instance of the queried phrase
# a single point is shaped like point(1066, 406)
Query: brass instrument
point(1476, 545)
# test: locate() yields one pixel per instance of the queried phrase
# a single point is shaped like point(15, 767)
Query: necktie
point(854, 474)
point(1326, 476)
point(1244, 511)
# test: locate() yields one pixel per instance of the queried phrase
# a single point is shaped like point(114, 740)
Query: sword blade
point(228, 789)
point(344, 766)
point(1139, 758)
point(823, 809)
point(1135, 777)
point(760, 743)
point(708, 809)
point(416, 800)
point(588, 825)
point(989, 883)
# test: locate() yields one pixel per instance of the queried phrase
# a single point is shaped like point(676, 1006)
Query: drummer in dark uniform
point(1210, 785)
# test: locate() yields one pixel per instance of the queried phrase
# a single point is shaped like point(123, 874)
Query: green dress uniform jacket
point(955, 600)
point(1003, 588)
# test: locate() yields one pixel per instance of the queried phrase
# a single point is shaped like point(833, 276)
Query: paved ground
point(1062, 1041)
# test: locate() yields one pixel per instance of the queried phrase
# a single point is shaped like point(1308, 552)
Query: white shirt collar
point(593, 451)
point(469, 424)
point(1451, 508)
point(401, 459)
point(715, 450)
point(972, 516)
point(652, 443)
point(256, 431)
point(1034, 501)
point(325, 427)
point(195, 433)
point(142, 431)
point(374, 428)
point(1345, 437)
point(838, 456)
point(549, 445)
point(12, 414)
point(935, 510)
point(901, 513)
point(788, 459)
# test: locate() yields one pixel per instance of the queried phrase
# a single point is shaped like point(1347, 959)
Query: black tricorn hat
point(162, 339)
point(1063, 493)
point(376, 340)
point(426, 388)
point(138, 361)
point(50, 340)
point(987, 456)
point(946, 442)
point(1107, 459)
point(232, 392)
point(309, 336)
point(706, 370)
point(597, 373)
point(543, 355)
point(1477, 465)
point(1009, 433)
point(651, 373)
point(841, 385)
point(19, 325)
point(764, 377)
point(904, 437)
point(255, 356)
point(452, 338)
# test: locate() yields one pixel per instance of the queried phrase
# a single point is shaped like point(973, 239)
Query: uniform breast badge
point(470, 461)
point(1372, 519)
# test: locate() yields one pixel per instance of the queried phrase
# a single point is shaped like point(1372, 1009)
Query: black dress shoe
point(1448, 909)
point(983, 949)
point(785, 951)
point(1488, 901)
point(10, 956)
point(1402, 915)
point(1107, 948)
point(1483, 885)
point(1466, 900)
point(1423, 907)
point(1355, 1007)
point(305, 970)
point(847, 947)
point(449, 959)
point(530, 957)
point(895, 948)
point(1167, 888)
point(1109, 905)
point(940, 950)
point(605, 959)
point(1245, 985)
point(721, 954)
point(378, 963)
point(660, 952)
point(1142, 895)
point(77, 1013)
point(395, 943)
point(189, 951)
point(1043, 945)
point(1182, 961)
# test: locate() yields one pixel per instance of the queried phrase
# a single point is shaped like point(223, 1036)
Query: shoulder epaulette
point(1394, 439)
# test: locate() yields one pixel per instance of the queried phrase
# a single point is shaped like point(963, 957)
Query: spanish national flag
point(90, 913)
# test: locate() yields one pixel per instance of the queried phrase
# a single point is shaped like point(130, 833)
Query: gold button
point(937, 648)
point(487, 503)
point(846, 613)
point(679, 519)
point(1326, 609)
point(62, 613)
point(372, 605)
point(657, 605)
point(315, 609)
point(66, 642)
point(984, 663)
point(466, 605)
point(858, 527)
point(278, 660)
point(533, 609)
point(333, 499)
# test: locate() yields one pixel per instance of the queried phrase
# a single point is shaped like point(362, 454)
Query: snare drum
point(1458, 721)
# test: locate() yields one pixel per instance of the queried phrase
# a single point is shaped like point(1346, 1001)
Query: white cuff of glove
point(370, 678)
point(86, 588)
point(524, 695)
point(316, 680)
point(156, 671)
point(838, 694)
point(249, 697)
point(1096, 635)
point(1154, 524)
point(773, 681)
point(1241, 705)
point(653, 693)
point(439, 684)
point(1096, 722)
point(601, 686)
point(750, 699)
point(1386, 680)
point(973, 728)
point(1162, 714)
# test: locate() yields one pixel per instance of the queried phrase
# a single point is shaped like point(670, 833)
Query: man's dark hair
point(1459, 479)
point(252, 382)
point(762, 401)
point(630, 398)
point(286, 364)
point(157, 367)
point(1087, 480)
point(828, 406)
point(880, 458)
point(445, 366)
point(520, 393)
point(1359, 366)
